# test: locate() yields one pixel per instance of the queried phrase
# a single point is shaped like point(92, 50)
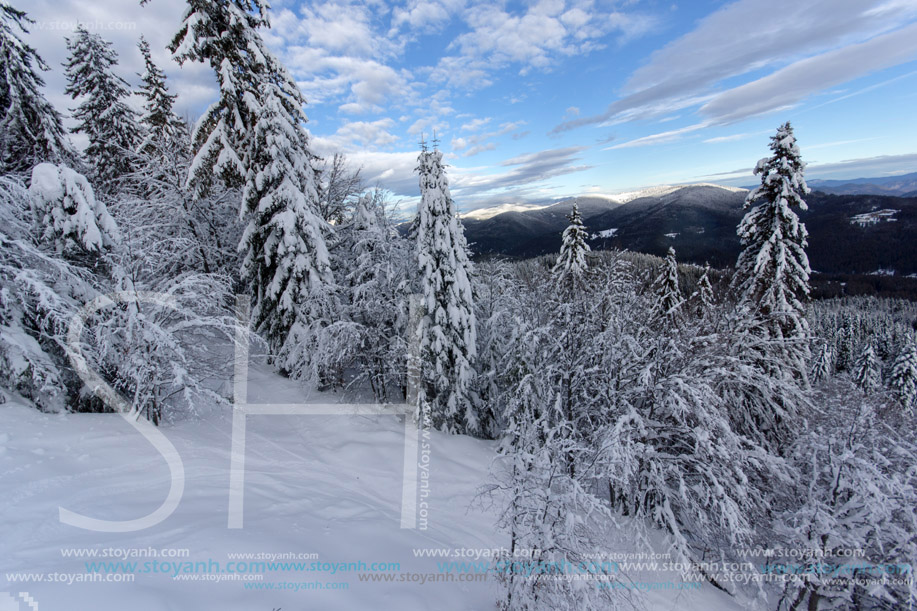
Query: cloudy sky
point(536, 101)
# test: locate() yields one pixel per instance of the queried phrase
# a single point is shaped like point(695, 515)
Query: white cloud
point(734, 137)
point(885, 165)
point(659, 138)
point(356, 136)
point(525, 169)
point(536, 37)
point(480, 142)
point(741, 38)
point(792, 84)
point(475, 124)
point(429, 15)
point(363, 84)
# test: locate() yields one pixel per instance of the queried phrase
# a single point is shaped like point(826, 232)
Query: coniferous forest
point(758, 435)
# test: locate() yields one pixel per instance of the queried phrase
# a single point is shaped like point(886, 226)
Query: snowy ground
point(322, 485)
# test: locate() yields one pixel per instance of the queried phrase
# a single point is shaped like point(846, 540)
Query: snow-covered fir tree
point(668, 295)
point(571, 262)
point(569, 362)
point(30, 128)
point(375, 266)
point(103, 114)
point(772, 272)
point(448, 327)
point(702, 296)
point(285, 256)
point(224, 35)
point(867, 374)
point(162, 127)
point(66, 212)
point(187, 233)
point(823, 366)
point(904, 375)
point(253, 137)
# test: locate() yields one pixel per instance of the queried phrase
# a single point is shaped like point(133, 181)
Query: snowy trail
point(324, 485)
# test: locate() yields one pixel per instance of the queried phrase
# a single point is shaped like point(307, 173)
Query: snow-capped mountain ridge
point(481, 214)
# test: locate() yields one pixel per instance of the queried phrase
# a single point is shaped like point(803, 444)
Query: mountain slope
point(904, 185)
point(847, 233)
point(325, 486)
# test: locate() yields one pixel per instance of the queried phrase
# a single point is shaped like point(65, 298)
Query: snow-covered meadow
point(326, 487)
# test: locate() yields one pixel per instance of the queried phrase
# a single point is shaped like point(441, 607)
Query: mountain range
point(904, 185)
point(848, 233)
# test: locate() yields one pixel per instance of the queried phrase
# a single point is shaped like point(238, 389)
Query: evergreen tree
point(703, 295)
point(30, 128)
point(285, 257)
point(253, 137)
point(772, 272)
point(866, 373)
point(448, 328)
point(224, 34)
point(162, 127)
point(824, 365)
point(571, 320)
point(186, 234)
point(571, 262)
point(104, 115)
point(845, 353)
point(374, 262)
point(904, 375)
point(668, 295)
point(66, 212)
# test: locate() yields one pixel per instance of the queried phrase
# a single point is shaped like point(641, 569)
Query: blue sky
point(537, 101)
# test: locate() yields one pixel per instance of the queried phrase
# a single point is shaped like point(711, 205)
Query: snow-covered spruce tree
point(369, 336)
point(253, 137)
point(39, 293)
point(904, 375)
point(162, 127)
point(185, 233)
point(668, 295)
point(572, 320)
point(571, 262)
point(772, 272)
point(103, 114)
point(66, 212)
point(30, 128)
point(823, 367)
point(448, 328)
point(845, 344)
point(867, 374)
point(285, 258)
point(224, 34)
point(702, 297)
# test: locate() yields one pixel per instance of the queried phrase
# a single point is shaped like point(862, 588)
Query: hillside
point(325, 488)
point(700, 222)
point(903, 185)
